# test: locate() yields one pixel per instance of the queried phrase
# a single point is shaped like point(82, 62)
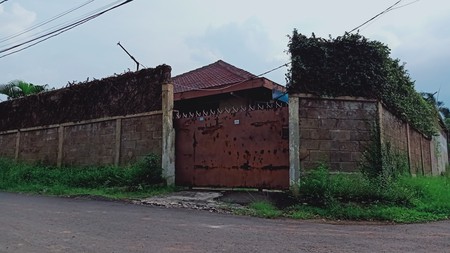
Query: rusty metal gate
point(246, 147)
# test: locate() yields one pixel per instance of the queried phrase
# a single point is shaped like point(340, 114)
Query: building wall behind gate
point(235, 149)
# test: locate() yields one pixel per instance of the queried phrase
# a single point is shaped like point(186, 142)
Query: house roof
point(217, 74)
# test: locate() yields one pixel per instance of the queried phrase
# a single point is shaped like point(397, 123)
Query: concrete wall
point(39, 144)
point(140, 136)
point(439, 153)
point(394, 130)
point(335, 131)
point(115, 120)
point(8, 145)
point(117, 140)
point(426, 156)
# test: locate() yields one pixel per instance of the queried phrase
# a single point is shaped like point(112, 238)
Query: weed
point(141, 179)
point(358, 197)
point(264, 209)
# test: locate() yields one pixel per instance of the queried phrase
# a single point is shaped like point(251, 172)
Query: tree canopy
point(19, 88)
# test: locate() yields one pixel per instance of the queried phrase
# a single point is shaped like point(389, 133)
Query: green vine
point(352, 65)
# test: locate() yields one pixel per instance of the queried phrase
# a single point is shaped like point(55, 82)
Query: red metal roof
point(216, 74)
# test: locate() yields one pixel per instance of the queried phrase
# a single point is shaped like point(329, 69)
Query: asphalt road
point(50, 224)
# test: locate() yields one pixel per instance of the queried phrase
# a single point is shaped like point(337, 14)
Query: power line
point(376, 16)
point(66, 23)
point(401, 6)
point(57, 32)
point(31, 28)
point(272, 70)
point(3, 1)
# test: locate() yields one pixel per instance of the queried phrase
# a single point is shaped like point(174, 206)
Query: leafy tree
point(19, 88)
point(430, 98)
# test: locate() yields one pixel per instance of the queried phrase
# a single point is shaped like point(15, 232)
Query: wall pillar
point(59, 158)
point(408, 148)
point(294, 140)
point(17, 151)
point(168, 135)
point(118, 140)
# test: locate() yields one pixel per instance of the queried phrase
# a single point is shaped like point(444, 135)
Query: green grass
point(137, 181)
point(263, 209)
point(354, 197)
point(405, 199)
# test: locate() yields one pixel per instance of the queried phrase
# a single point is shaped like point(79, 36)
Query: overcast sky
point(187, 34)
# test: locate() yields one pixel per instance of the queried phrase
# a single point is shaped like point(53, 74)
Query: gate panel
point(239, 149)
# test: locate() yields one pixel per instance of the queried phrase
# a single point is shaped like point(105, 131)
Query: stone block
point(310, 144)
point(340, 135)
point(328, 123)
point(309, 123)
point(340, 157)
point(319, 156)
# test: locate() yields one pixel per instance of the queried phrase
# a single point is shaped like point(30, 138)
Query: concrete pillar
point(17, 151)
point(59, 159)
point(168, 138)
point(118, 142)
point(408, 148)
point(294, 140)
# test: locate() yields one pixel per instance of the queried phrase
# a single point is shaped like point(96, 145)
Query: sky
point(188, 34)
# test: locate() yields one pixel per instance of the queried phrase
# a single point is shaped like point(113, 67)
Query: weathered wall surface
point(335, 131)
point(140, 136)
point(39, 144)
point(422, 154)
point(415, 154)
point(439, 153)
point(394, 130)
point(116, 120)
point(8, 145)
point(89, 144)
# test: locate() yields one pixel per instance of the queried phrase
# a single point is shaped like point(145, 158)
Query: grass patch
point(403, 199)
point(264, 209)
point(140, 180)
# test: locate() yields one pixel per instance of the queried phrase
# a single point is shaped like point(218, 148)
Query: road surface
point(50, 224)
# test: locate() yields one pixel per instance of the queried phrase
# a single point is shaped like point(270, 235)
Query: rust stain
point(203, 167)
point(210, 129)
point(250, 154)
point(263, 123)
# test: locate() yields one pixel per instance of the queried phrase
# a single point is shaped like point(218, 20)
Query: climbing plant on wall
point(352, 65)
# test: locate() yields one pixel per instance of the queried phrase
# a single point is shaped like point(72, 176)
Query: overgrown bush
point(147, 171)
point(352, 65)
point(320, 188)
point(380, 161)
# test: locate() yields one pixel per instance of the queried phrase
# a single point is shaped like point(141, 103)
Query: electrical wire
point(64, 24)
point(401, 6)
point(42, 38)
point(376, 16)
point(31, 28)
point(389, 9)
point(3, 1)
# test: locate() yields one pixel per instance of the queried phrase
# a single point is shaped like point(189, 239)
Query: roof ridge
point(212, 75)
point(195, 70)
point(232, 68)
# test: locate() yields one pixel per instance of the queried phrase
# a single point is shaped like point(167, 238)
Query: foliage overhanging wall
point(129, 93)
point(116, 120)
point(352, 65)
